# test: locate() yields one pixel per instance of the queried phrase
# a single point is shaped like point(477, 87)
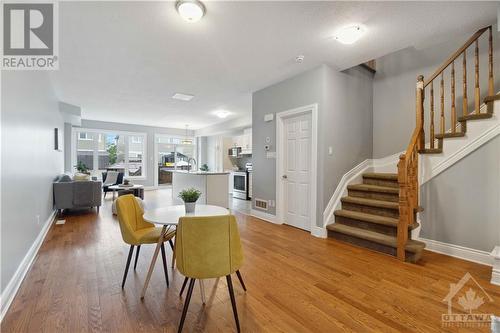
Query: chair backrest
point(130, 218)
point(208, 247)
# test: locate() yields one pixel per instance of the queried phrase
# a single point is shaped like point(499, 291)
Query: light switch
point(330, 150)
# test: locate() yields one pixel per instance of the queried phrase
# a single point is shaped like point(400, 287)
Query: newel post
point(402, 231)
point(420, 111)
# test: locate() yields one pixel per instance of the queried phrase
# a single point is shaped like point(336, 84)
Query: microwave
point(234, 152)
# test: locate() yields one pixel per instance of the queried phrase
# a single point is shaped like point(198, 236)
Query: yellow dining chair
point(206, 248)
point(135, 231)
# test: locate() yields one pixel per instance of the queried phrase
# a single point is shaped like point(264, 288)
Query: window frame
point(75, 137)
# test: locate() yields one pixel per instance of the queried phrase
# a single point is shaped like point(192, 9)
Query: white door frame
point(280, 117)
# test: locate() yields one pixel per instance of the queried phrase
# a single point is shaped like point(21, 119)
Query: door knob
point(284, 176)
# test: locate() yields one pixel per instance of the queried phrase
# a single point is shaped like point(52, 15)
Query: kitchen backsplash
point(240, 161)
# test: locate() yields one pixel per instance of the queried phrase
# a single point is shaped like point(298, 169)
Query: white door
point(296, 173)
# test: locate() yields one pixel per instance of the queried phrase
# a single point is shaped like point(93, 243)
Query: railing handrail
point(408, 166)
point(455, 55)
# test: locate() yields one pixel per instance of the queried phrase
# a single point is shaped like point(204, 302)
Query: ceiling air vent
point(261, 204)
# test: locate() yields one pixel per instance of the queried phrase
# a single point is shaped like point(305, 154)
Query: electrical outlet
point(37, 220)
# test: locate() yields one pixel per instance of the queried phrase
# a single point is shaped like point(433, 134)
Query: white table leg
point(202, 291)
point(153, 260)
point(114, 195)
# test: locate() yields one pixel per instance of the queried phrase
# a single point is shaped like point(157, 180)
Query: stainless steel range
point(241, 183)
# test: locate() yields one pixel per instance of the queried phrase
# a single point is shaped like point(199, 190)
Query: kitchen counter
point(212, 185)
point(202, 172)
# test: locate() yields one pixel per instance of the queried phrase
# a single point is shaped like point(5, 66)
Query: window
point(136, 139)
point(112, 151)
point(85, 136)
point(84, 150)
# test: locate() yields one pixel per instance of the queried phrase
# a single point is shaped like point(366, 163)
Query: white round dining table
point(169, 217)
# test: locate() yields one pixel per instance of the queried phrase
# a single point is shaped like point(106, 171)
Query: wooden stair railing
point(408, 162)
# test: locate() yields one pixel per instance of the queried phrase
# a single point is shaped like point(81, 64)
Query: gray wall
point(462, 204)
point(149, 130)
point(345, 122)
point(394, 89)
point(29, 162)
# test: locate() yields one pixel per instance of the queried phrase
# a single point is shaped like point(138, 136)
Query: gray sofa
point(70, 194)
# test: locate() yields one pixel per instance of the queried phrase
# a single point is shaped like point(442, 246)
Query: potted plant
point(82, 168)
point(189, 196)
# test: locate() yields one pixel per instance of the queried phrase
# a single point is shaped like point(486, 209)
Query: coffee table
point(117, 188)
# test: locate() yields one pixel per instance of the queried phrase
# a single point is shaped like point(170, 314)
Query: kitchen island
point(213, 186)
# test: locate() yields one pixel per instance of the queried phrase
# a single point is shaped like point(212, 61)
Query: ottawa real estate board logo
point(30, 36)
point(465, 299)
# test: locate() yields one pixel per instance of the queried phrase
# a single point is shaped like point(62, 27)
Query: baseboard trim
point(495, 272)
point(319, 232)
point(457, 251)
point(265, 216)
point(12, 287)
point(495, 277)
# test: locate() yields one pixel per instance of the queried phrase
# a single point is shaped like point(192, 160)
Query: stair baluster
point(477, 95)
point(441, 124)
point(433, 138)
point(491, 83)
point(465, 105)
point(453, 111)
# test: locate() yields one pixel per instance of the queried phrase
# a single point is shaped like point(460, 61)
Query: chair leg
point(186, 304)
point(183, 286)
point(105, 194)
point(241, 280)
point(173, 257)
point(163, 256)
point(128, 264)
point(233, 301)
point(136, 256)
point(171, 244)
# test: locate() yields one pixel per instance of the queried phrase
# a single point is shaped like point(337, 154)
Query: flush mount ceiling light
point(222, 113)
point(190, 10)
point(183, 97)
point(350, 34)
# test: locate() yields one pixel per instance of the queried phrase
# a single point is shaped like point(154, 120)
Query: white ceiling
point(122, 61)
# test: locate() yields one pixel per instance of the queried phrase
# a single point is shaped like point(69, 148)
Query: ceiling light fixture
point(182, 97)
point(299, 59)
point(350, 34)
point(222, 113)
point(190, 10)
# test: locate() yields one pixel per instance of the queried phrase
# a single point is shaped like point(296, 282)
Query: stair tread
point(372, 236)
point(371, 202)
point(430, 151)
point(381, 175)
point(372, 218)
point(475, 116)
point(450, 135)
point(373, 188)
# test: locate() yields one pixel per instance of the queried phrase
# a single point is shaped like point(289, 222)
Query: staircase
point(370, 215)
point(380, 213)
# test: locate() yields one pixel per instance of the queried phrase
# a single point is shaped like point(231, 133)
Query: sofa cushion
point(64, 178)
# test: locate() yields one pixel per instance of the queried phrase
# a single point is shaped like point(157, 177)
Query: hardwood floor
point(296, 283)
